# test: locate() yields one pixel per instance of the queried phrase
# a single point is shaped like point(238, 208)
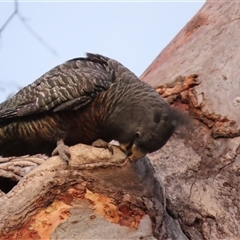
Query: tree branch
point(10, 17)
point(17, 13)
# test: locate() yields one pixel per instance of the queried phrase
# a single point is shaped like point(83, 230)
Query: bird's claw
point(62, 151)
point(102, 144)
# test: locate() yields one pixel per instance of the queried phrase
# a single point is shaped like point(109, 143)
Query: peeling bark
point(15, 168)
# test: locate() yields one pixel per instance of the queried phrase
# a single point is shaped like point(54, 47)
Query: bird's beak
point(132, 151)
point(136, 153)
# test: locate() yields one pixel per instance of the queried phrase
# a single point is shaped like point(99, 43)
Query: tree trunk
point(202, 173)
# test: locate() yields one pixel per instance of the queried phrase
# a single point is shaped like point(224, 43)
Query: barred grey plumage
point(83, 100)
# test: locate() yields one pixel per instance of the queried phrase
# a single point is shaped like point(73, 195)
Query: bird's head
point(153, 132)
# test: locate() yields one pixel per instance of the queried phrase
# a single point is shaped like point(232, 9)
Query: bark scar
point(179, 85)
point(182, 87)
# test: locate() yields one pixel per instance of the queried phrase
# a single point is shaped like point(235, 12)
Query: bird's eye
point(137, 135)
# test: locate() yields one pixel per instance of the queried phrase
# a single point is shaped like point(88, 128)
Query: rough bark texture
point(202, 172)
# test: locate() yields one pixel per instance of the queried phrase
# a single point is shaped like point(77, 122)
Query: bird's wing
point(68, 86)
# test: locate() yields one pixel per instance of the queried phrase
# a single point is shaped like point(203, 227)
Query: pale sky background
point(133, 33)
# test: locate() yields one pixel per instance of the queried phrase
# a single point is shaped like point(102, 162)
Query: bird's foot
point(102, 144)
point(62, 151)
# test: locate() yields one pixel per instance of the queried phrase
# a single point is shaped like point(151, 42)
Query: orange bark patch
point(43, 223)
point(124, 213)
